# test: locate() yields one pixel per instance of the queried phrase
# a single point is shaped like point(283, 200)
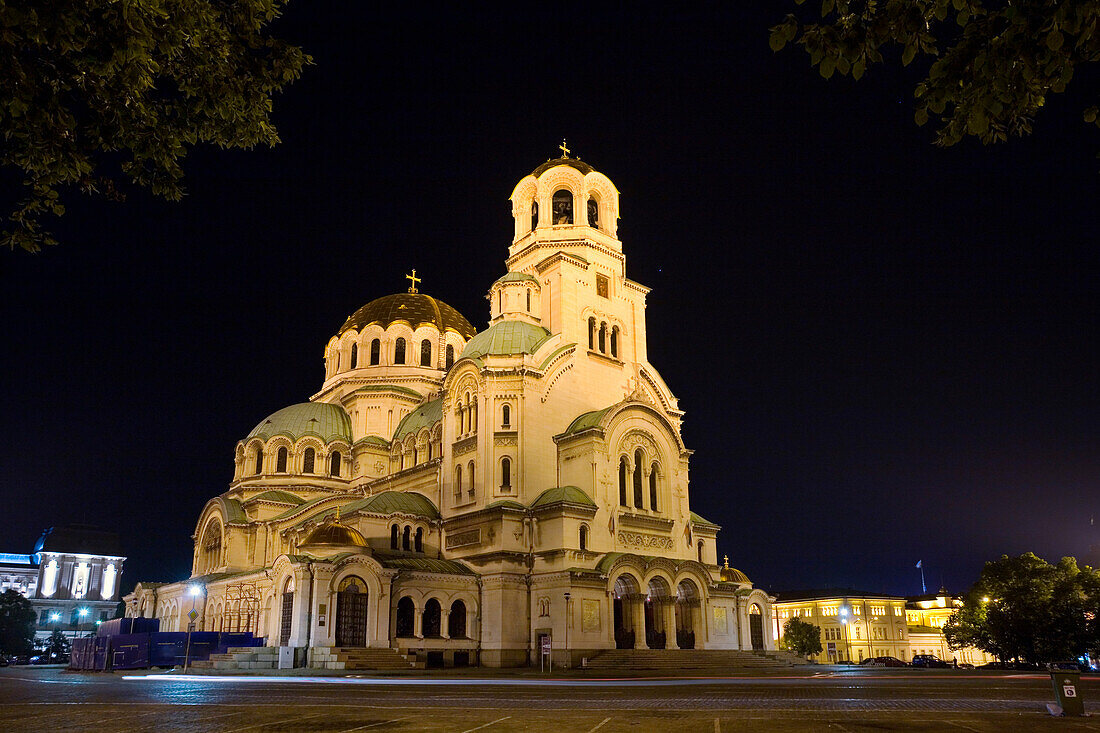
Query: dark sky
point(887, 351)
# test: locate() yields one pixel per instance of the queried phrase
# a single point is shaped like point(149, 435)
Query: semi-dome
point(512, 277)
point(416, 309)
point(506, 338)
point(334, 533)
point(320, 419)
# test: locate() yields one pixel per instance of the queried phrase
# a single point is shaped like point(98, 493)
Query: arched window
point(280, 460)
point(354, 355)
point(583, 538)
point(593, 212)
point(528, 300)
point(471, 467)
point(591, 334)
point(505, 472)
point(432, 618)
point(603, 338)
point(622, 482)
point(259, 461)
point(426, 353)
point(534, 215)
point(500, 301)
point(308, 459)
point(615, 342)
point(456, 624)
point(458, 484)
point(334, 464)
point(212, 546)
point(416, 456)
point(429, 449)
point(418, 540)
point(393, 537)
point(405, 611)
point(375, 352)
point(505, 416)
point(653, 487)
point(450, 356)
point(638, 478)
point(399, 351)
point(700, 551)
point(406, 543)
point(563, 207)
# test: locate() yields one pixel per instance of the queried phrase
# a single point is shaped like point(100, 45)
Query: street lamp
point(844, 623)
point(83, 613)
point(195, 591)
point(569, 661)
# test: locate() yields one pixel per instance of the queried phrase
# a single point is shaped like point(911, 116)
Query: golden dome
point(334, 533)
point(732, 575)
point(416, 309)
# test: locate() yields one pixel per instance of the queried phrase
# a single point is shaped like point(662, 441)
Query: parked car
point(3, 661)
point(887, 662)
point(929, 661)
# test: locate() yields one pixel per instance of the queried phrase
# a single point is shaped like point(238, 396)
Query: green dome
point(513, 277)
point(563, 494)
point(416, 309)
point(320, 419)
point(425, 416)
point(507, 338)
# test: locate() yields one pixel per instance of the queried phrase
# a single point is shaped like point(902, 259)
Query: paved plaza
point(804, 699)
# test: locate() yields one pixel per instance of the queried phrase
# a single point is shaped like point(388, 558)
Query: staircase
point(239, 658)
point(714, 661)
point(360, 658)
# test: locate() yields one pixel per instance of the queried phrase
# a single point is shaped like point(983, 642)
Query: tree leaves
point(990, 65)
point(100, 95)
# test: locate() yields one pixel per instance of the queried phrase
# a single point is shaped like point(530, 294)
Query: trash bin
point(1066, 679)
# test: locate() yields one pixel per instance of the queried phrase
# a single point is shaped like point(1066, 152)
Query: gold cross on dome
point(725, 561)
point(413, 279)
point(564, 149)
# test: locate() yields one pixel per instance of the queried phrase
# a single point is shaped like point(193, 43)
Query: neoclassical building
point(463, 494)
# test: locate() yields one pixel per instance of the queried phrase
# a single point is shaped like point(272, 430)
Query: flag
point(611, 524)
point(919, 563)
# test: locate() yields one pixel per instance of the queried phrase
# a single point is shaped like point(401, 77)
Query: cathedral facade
point(477, 496)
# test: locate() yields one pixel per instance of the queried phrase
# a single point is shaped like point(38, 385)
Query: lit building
point(468, 496)
point(926, 616)
point(71, 579)
point(855, 625)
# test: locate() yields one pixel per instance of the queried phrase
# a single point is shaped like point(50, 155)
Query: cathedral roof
point(577, 163)
point(506, 338)
point(281, 497)
point(563, 494)
point(512, 277)
point(400, 502)
point(325, 421)
point(422, 563)
point(335, 533)
point(425, 416)
point(586, 420)
point(416, 309)
point(697, 519)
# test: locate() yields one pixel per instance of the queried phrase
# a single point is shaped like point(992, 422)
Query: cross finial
point(564, 149)
point(337, 514)
point(726, 561)
point(413, 280)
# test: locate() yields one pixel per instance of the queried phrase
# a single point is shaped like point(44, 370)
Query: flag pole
point(920, 566)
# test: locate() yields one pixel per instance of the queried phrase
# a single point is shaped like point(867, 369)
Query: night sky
point(887, 351)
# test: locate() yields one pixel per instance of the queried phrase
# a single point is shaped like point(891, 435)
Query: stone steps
point(359, 658)
point(709, 660)
point(240, 658)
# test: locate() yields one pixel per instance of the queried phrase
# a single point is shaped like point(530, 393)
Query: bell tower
point(566, 216)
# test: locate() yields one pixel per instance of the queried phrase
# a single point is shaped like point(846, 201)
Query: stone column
point(669, 612)
point(637, 610)
point(444, 623)
point(418, 622)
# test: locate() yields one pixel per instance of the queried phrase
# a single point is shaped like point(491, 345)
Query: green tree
point(16, 624)
point(801, 637)
point(99, 96)
point(57, 646)
point(989, 65)
point(1025, 608)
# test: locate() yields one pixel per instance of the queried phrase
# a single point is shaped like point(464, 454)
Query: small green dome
point(513, 277)
point(563, 494)
point(507, 338)
point(424, 416)
point(320, 419)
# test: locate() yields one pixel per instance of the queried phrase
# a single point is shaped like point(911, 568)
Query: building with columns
point(71, 579)
point(463, 494)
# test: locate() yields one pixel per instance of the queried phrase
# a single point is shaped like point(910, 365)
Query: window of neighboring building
point(308, 459)
point(426, 353)
point(375, 352)
point(399, 351)
point(334, 464)
point(280, 460)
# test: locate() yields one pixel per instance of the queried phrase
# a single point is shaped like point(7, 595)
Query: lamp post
point(195, 591)
point(83, 614)
point(569, 661)
point(844, 624)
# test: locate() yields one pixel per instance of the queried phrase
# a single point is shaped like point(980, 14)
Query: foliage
point(801, 637)
point(990, 64)
point(57, 646)
point(97, 95)
point(1025, 608)
point(16, 624)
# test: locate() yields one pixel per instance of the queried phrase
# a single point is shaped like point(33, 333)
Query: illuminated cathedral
point(476, 497)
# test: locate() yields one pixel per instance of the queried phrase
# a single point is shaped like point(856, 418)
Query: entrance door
point(285, 618)
point(624, 635)
point(351, 613)
point(654, 633)
point(756, 629)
